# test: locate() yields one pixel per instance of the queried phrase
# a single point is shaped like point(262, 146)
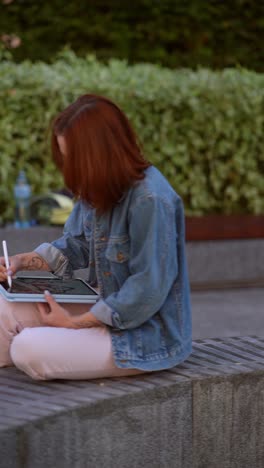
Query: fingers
point(11, 270)
point(44, 311)
point(3, 271)
point(48, 294)
point(52, 314)
point(46, 308)
point(50, 299)
point(43, 308)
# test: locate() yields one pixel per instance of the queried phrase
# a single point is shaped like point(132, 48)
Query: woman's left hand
point(53, 314)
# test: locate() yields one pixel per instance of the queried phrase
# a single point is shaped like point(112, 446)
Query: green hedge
point(203, 129)
point(174, 33)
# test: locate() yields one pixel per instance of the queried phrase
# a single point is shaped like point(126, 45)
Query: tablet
point(31, 289)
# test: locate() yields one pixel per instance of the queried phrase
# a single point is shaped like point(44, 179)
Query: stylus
point(9, 278)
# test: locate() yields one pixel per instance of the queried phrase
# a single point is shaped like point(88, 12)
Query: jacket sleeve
point(71, 251)
point(153, 266)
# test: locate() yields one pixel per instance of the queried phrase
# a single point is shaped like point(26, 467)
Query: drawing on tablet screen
point(39, 285)
point(19, 286)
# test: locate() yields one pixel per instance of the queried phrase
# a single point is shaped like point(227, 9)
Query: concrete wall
point(205, 413)
point(210, 261)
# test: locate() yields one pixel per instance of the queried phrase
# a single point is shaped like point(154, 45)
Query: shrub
point(203, 130)
point(174, 33)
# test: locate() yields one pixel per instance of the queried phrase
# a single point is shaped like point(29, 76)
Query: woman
point(127, 229)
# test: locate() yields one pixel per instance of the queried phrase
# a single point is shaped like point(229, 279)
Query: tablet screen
point(53, 285)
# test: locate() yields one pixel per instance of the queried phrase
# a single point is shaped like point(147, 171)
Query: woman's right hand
point(15, 263)
point(25, 261)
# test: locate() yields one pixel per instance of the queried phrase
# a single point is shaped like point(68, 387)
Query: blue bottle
point(22, 193)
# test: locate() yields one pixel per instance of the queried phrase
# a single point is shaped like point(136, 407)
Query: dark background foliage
point(203, 129)
point(215, 34)
point(201, 124)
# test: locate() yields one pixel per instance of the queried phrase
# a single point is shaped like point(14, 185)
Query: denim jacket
point(135, 254)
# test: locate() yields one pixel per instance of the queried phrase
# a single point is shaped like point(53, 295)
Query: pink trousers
point(46, 353)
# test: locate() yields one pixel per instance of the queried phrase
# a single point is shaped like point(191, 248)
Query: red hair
point(103, 158)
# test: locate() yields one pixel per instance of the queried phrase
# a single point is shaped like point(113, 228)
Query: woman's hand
point(26, 261)
point(15, 265)
point(54, 315)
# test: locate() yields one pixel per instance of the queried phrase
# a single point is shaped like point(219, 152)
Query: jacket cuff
point(53, 256)
point(103, 312)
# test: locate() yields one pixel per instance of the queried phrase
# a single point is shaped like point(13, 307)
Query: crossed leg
point(46, 353)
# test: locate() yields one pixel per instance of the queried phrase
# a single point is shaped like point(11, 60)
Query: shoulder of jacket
point(156, 187)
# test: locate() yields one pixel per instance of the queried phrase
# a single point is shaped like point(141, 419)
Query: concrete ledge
point(237, 261)
point(211, 264)
point(206, 413)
